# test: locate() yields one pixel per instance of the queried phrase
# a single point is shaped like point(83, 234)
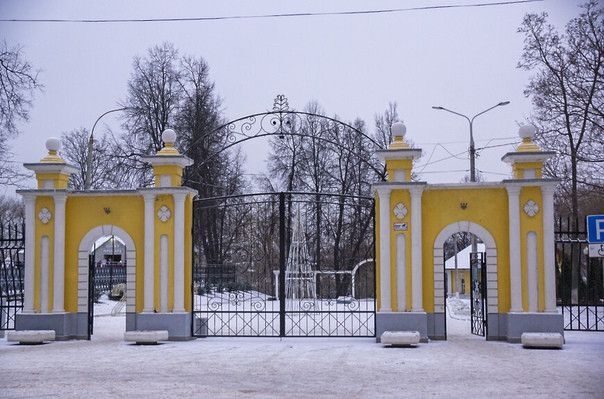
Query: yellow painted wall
point(44, 230)
point(528, 224)
point(463, 274)
point(162, 228)
point(85, 213)
point(487, 207)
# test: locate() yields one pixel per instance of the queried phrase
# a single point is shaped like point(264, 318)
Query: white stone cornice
point(527, 156)
point(62, 168)
point(179, 160)
point(530, 182)
point(404, 153)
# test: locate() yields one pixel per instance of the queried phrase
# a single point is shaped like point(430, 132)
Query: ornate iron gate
point(478, 293)
point(12, 251)
point(284, 264)
point(579, 279)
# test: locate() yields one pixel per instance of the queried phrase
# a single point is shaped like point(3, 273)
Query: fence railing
point(12, 251)
point(107, 275)
point(579, 278)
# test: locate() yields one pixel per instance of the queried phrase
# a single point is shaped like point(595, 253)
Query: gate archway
point(479, 313)
point(86, 287)
point(247, 285)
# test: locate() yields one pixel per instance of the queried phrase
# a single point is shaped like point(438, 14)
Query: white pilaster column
point(549, 264)
point(179, 252)
point(149, 279)
point(401, 272)
point(384, 195)
point(59, 254)
point(30, 227)
point(416, 249)
point(514, 237)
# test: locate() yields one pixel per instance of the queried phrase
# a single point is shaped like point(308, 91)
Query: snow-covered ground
point(464, 366)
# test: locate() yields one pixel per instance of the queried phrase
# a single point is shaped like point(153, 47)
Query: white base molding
point(30, 336)
point(146, 337)
point(400, 338)
point(542, 340)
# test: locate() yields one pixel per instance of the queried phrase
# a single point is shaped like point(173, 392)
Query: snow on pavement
point(464, 365)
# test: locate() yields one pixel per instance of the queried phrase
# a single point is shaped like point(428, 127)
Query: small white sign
point(400, 226)
point(596, 250)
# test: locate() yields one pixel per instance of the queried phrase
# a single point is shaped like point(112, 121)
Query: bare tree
point(11, 211)
point(18, 84)
point(567, 92)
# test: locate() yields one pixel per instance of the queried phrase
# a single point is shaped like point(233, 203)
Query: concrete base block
point(400, 338)
point(436, 326)
point(146, 337)
point(519, 323)
point(401, 321)
point(178, 325)
point(65, 325)
point(30, 336)
point(542, 340)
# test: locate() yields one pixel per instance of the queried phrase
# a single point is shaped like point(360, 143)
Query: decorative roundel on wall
point(163, 213)
point(400, 210)
point(531, 208)
point(44, 215)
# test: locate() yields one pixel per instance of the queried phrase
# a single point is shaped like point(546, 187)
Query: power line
point(279, 15)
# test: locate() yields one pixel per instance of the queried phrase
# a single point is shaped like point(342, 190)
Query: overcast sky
point(464, 59)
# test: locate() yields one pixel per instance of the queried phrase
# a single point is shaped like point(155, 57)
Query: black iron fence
point(284, 264)
point(12, 255)
point(109, 274)
point(579, 278)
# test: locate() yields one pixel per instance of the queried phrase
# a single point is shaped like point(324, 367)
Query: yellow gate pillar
point(513, 219)
point(167, 244)
point(399, 237)
point(62, 227)
point(531, 241)
point(44, 271)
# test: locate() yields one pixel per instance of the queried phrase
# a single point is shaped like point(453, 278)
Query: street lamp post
point(471, 122)
point(472, 166)
point(87, 181)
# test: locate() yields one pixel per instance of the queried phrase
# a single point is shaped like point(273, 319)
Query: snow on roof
point(98, 243)
point(463, 257)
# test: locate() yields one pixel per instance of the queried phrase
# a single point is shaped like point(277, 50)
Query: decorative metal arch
point(282, 121)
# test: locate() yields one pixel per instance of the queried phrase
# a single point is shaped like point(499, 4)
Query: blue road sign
point(595, 229)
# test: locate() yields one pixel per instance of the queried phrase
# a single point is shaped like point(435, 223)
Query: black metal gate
point(91, 294)
point(478, 293)
point(284, 264)
point(12, 252)
point(579, 279)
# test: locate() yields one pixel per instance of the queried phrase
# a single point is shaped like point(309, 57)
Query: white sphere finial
point(53, 144)
point(527, 132)
point(169, 136)
point(398, 129)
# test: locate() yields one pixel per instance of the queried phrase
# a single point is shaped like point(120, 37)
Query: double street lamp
point(471, 121)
